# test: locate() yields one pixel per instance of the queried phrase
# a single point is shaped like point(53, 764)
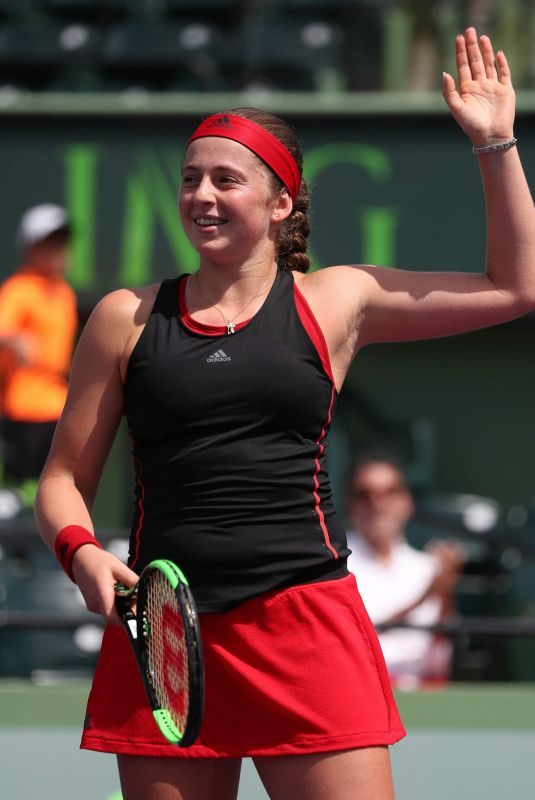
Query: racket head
point(170, 652)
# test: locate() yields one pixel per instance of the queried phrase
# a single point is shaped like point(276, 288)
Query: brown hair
point(293, 232)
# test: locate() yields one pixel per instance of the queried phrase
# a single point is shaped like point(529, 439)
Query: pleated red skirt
point(293, 671)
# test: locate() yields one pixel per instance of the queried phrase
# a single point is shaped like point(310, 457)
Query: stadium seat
point(36, 43)
point(321, 8)
point(286, 54)
point(87, 8)
point(46, 43)
point(141, 9)
point(137, 44)
point(163, 51)
point(20, 7)
point(188, 6)
point(333, 11)
point(204, 51)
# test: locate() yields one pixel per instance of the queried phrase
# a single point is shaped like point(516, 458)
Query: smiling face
point(228, 204)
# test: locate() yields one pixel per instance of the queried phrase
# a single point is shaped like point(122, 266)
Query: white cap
point(39, 222)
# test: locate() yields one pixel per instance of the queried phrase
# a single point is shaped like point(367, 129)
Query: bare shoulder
point(112, 330)
point(345, 284)
point(116, 323)
point(126, 307)
point(334, 276)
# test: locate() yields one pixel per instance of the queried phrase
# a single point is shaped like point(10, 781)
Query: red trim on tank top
point(192, 324)
point(140, 503)
point(317, 338)
point(314, 331)
point(317, 499)
point(141, 512)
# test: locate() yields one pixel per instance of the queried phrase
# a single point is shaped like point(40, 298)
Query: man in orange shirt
point(38, 323)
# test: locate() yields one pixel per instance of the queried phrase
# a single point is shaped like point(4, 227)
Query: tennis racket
point(165, 637)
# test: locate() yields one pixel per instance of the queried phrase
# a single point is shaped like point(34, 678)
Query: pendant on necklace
point(230, 327)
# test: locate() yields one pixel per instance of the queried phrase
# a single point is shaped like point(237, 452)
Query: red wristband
point(68, 540)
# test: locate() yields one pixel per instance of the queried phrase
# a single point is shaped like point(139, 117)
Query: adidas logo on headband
point(220, 122)
point(260, 141)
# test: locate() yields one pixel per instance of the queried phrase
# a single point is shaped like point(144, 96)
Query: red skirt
point(293, 671)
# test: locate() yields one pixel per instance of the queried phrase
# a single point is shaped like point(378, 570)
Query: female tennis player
point(228, 378)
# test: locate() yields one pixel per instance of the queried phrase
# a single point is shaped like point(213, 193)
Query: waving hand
point(484, 102)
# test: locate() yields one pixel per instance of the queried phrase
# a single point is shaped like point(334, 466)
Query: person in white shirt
point(397, 581)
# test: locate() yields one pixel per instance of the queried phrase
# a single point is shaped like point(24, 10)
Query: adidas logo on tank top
point(219, 355)
point(231, 467)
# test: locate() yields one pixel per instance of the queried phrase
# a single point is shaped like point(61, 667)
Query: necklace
point(231, 328)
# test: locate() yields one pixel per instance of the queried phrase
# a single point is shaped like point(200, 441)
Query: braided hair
point(291, 246)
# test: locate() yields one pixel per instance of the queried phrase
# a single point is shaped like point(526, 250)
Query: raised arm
point(82, 442)
point(406, 305)
point(378, 304)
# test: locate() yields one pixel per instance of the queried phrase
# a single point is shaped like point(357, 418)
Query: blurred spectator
point(396, 581)
point(38, 322)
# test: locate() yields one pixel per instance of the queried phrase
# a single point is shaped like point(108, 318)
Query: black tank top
point(229, 436)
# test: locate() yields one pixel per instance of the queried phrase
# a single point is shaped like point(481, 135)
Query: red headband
point(263, 144)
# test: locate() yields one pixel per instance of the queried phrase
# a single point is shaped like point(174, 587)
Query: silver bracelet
point(494, 148)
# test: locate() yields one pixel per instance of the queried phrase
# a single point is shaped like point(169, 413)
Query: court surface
point(463, 742)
